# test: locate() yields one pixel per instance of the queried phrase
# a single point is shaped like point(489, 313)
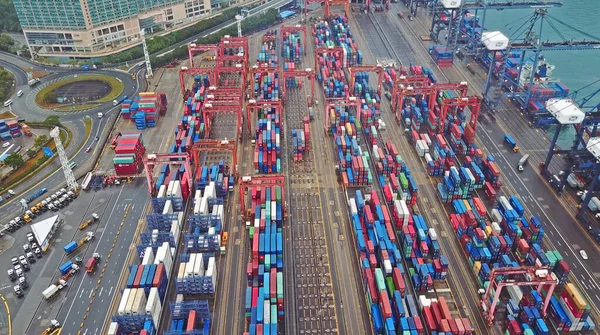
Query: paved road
point(563, 231)
point(31, 314)
point(74, 121)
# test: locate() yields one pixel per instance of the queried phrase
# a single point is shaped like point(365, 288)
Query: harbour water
point(575, 68)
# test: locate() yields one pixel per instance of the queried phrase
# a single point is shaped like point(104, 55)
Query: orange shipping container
point(444, 308)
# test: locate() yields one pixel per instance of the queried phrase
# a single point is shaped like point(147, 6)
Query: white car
point(5, 144)
point(583, 254)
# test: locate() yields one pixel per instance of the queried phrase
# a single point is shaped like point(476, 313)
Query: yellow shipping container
point(488, 230)
point(576, 296)
point(349, 129)
point(146, 94)
point(332, 115)
point(467, 205)
point(477, 267)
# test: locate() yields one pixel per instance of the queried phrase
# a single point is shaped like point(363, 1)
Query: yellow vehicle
point(34, 209)
point(208, 58)
point(27, 218)
point(224, 238)
point(84, 224)
point(133, 76)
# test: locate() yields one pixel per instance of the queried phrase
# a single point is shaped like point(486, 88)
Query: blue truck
point(36, 194)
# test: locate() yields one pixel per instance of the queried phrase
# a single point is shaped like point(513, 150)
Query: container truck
point(36, 194)
point(92, 262)
point(523, 161)
point(33, 82)
point(86, 223)
point(74, 245)
point(53, 290)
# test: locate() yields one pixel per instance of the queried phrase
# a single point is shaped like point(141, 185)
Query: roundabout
point(79, 92)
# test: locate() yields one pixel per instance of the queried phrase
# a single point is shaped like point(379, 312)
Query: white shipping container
point(210, 190)
point(375, 151)
point(148, 256)
point(168, 209)
point(170, 189)
point(189, 268)
point(267, 311)
point(596, 201)
point(211, 231)
point(153, 299)
point(387, 266)
point(220, 212)
point(496, 227)
point(405, 211)
point(353, 209)
point(256, 223)
point(113, 329)
point(197, 206)
point(177, 189)
point(199, 266)
point(273, 209)
point(428, 158)
point(420, 147)
point(139, 304)
point(157, 308)
point(495, 215)
point(433, 234)
point(427, 140)
point(197, 196)
point(130, 299)
point(175, 230)
point(123, 303)
point(424, 302)
point(211, 270)
point(162, 191)
point(204, 205)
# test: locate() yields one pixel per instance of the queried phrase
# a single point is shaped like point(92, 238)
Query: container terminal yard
point(340, 172)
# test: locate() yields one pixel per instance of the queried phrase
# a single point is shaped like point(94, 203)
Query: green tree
point(14, 160)
point(52, 121)
point(40, 140)
point(50, 98)
point(8, 17)
point(6, 82)
point(6, 42)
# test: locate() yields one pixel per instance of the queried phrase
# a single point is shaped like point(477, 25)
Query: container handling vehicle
point(74, 245)
point(52, 290)
point(90, 265)
point(511, 142)
point(86, 223)
point(523, 161)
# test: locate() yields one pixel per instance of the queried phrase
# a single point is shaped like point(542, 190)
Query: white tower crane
point(149, 73)
point(64, 160)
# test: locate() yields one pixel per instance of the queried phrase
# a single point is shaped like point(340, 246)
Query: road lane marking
point(99, 294)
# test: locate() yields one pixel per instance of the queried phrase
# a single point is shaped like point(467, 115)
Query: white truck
point(523, 161)
point(53, 290)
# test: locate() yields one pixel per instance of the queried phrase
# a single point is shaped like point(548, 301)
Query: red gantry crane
point(239, 43)
point(151, 160)
point(263, 181)
point(520, 276)
point(294, 29)
point(209, 71)
point(258, 104)
point(474, 104)
point(378, 69)
point(237, 69)
point(308, 73)
point(212, 107)
point(205, 145)
point(193, 49)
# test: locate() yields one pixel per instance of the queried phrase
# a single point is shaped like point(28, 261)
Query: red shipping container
point(459, 326)
point(158, 275)
point(467, 326)
point(273, 282)
point(437, 314)
point(428, 316)
point(371, 286)
point(138, 276)
point(418, 325)
point(444, 308)
point(453, 327)
point(191, 321)
point(386, 307)
point(259, 329)
point(445, 326)
point(398, 281)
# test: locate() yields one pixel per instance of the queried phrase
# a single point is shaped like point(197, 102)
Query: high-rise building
point(96, 28)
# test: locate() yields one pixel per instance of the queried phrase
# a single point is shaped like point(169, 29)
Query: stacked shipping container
point(301, 140)
point(291, 50)
point(144, 109)
point(129, 153)
point(264, 293)
point(267, 136)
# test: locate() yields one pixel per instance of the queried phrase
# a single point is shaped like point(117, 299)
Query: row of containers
point(144, 109)
point(391, 74)
point(264, 300)
point(301, 140)
point(9, 130)
point(267, 140)
point(291, 50)
point(267, 56)
point(129, 154)
point(335, 32)
point(504, 237)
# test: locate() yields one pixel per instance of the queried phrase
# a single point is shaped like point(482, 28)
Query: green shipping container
point(379, 279)
point(267, 262)
point(251, 233)
point(558, 256)
point(403, 181)
point(390, 285)
point(279, 285)
point(278, 193)
point(123, 160)
point(273, 314)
